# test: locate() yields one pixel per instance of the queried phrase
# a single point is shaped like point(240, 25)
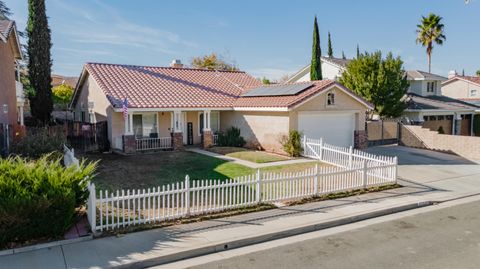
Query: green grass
point(152, 170)
point(249, 155)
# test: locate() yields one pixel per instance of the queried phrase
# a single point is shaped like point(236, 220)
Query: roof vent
point(452, 74)
point(176, 64)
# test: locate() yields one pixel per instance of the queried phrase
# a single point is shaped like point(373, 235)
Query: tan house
point(11, 90)
point(465, 88)
point(169, 107)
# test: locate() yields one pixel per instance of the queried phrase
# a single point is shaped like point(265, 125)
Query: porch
point(167, 130)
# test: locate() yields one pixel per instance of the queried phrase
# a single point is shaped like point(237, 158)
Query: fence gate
point(88, 136)
point(382, 132)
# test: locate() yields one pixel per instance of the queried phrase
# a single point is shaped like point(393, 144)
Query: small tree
point(266, 81)
point(330, 49)
point(213, 62)
point(292, 144)
point(380, 81)
point(316, 64)
point(343, 55)
point(358, 51)
point(478, 73)
point(62, 94)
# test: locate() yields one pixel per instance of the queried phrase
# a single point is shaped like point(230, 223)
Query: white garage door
point(335, 128)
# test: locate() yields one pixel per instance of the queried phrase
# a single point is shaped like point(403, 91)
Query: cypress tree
point(330, 49)
point(358, 51)
point(316, 64)
point(39, 62)
point(343, 55)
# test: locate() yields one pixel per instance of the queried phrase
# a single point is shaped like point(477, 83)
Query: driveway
point(434, 169)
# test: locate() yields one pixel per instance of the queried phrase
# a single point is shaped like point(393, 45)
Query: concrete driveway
point(434, 169)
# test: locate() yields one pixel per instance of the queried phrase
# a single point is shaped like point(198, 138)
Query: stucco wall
point(460, 89)
point(7, 84)
point(420, 87)
point(258, 128)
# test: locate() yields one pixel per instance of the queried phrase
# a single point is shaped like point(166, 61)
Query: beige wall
point(460, 89)
point(418, 137)
point(7, 83)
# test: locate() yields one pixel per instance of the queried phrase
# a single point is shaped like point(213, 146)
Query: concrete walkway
point(248, 163)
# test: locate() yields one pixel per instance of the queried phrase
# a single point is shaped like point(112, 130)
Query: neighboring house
point(169, 107)
point(332, 68)
point(58, 80)
point(465, 88)
point(428, 108)
point(11, 90)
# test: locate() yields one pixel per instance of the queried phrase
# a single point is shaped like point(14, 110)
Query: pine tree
point(330, 49)
point(343, 55)
point(316, 64)
point(39, 62)
point(358, 51)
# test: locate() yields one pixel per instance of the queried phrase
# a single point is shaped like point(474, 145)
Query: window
point(473, 92)
point(145, 125)
point(432, 118)
point(440, 117)
point(330, 99)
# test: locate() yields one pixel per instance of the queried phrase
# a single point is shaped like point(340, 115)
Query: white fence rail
point(153, 143)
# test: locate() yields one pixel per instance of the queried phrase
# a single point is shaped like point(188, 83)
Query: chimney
point(452, 74)
point(176, 64)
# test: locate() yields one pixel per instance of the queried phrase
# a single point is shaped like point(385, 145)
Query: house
point(58, 80)
point(11, 89)
point(332, 68)
point(169, 107)
point(428, 108)
point(465, 88)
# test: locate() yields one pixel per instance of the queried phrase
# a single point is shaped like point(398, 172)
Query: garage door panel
point(335, 128)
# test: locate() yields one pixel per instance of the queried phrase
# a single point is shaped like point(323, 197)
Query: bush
point(292, 144)
point(38, 142)
point(440, 130)
point(39, 198)
point(231, 138)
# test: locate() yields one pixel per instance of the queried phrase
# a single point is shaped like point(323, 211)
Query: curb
point(45, 245)
point(218, 247)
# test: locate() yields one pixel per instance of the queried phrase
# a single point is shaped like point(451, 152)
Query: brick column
point(207, 138)
point(177, 141)
point(360, 139)
point(129, 144)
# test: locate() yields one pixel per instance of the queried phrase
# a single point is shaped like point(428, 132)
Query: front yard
point(152, 170)
point(249, 155)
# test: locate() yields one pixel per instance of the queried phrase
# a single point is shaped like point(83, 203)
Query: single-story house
point(169, 107)
point(465, 88)
point(332, 68)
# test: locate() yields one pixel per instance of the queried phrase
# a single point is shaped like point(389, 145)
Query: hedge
point(38, 199)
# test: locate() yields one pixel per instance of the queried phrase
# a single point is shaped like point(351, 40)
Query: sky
point(268, 38)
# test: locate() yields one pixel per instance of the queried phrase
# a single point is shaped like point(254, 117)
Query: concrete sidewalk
point(152, 247)
point(248, 163)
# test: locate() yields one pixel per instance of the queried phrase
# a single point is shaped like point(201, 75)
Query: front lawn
point(249, 155)
point(152, 170)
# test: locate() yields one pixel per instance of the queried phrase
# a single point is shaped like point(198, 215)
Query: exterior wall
point(329, 71)
point(8, 93)
point(418, 137)
point(116, 128)
point(416, 87)
point(434, 125)
point(343, 102)
point(420, 87)
point(91, 92)
point(460, 89)
point(260, 129)
point(164, 124)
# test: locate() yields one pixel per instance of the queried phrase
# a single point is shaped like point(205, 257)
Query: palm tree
point(428, 32)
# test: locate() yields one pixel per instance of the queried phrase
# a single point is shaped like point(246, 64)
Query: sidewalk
point(152, 247)
point(248, 163)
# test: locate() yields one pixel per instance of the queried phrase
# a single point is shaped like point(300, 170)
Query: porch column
point(207, 131)
point(177, 137)
point(20, 108)
point(457, 124)
point(128, 139)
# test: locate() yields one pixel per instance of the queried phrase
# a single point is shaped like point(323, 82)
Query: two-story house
point(430, 109)
point(465, 88)
point(11, 90)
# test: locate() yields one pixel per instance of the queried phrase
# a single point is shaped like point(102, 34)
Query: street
point(444, 238)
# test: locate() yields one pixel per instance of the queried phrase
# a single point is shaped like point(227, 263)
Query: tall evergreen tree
point(330, 49)
point(358, 51)
point(316, 64)
point(39, 62)
point(343, 55)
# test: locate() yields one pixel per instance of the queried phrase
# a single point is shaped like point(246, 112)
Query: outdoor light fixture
point(5, 108)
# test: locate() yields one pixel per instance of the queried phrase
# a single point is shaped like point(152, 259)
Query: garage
point(335, 128)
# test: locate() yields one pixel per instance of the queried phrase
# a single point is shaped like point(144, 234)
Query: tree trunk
point(429, 56)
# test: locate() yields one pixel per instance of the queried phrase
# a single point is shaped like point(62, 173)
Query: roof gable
point(469, 79)
point(337, 62)
point(8, 33)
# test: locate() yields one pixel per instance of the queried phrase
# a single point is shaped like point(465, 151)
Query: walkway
point(247, 163)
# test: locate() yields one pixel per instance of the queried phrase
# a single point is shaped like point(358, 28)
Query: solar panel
point(277, 90)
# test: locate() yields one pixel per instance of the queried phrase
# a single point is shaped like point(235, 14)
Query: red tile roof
point(162, 87)
point(284, 101)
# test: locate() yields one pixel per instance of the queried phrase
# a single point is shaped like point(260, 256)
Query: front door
point(189, 133)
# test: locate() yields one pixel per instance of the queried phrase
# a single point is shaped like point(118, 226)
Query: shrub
point(231, 138)
point(39, 198)
point(292, 144)
point(440, 130)
point(38, 142)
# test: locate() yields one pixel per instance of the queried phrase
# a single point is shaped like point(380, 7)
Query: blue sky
point(265, 38)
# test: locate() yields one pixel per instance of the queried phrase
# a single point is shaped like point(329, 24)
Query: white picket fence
point(351, 170)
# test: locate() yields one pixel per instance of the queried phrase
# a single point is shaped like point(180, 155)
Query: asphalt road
point(444, 238)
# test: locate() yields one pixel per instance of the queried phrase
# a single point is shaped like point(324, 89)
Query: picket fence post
point(365, 174)
point(304, 145)
point(395, 170)
point(315, 181)
point(321, 149)
point(92, 210)
point(350, 158)
point(187, 195)
point(259, 187)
